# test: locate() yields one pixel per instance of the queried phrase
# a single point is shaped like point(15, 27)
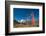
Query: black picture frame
point(7, 6)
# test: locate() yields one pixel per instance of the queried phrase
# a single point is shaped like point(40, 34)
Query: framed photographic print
point(24, 17)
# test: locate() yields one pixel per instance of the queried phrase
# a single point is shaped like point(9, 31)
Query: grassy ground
point(22, 25)
point(25, 25)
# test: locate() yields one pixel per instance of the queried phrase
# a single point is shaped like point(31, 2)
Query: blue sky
point(21, 13)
